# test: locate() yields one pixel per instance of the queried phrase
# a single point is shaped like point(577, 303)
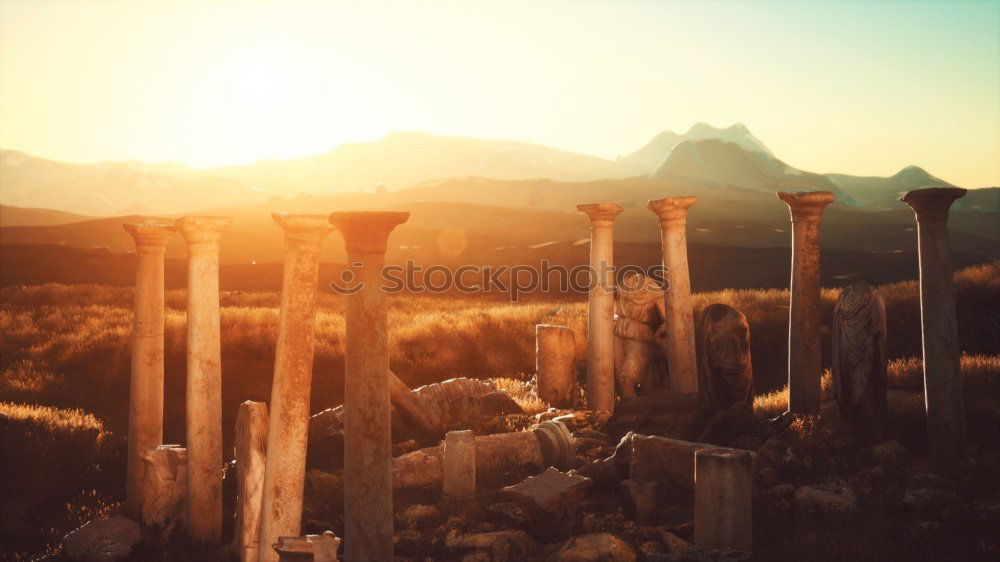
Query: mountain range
point(702, 158)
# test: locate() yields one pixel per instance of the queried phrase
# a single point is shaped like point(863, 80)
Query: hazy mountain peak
point(655, 152)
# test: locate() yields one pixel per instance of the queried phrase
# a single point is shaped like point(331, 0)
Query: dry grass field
point(65, 353)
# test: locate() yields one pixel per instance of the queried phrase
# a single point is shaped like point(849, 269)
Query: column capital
point(671, 209)
point(303, 231)
point(150, 237)
point(202, 232)
point(601, 213)
point(932, 203)
point(367, 232)
point(806, 206)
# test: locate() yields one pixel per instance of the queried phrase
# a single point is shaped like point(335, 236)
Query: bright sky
point(859, 88)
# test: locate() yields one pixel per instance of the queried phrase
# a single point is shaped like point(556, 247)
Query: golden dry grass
point(55, 420)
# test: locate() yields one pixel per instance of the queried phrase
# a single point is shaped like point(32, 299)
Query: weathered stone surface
point(675, 544)
point(165, 486)
point(640, 349)
point(828, 499)
point(596, 547)
point(250, 448)
point(644, 497)
point(669, 462)
point(459, 465)
point(889, 452)
point(555, 358)
point(318, 548)
point(859, 360)
point(723, 509)
point(419, 516)
point(498, 546)
point(102, 540)
point(929, 498)
point(557, 444)
point(724, 363)
point(551, 497)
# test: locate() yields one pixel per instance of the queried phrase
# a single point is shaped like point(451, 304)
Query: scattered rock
point(828, 499)
point(409, 541)
point(890, 452)
point(928, 498)
point(643, 495)
point(651, 547)
point(498, 546)
point(509, 513)
point(596, 547)
point(550, 498)
point(675, 544)
point(102, 540)
point(419, 516)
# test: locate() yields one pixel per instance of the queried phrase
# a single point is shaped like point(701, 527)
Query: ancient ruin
point(679, 319)
point(804, 361)
point(601, 306)
point(859, 359)
point(367, 420)
point(288, 430)
point(250, 453)
point(204, 377)
point(640, 350)
point(723, 512)
point(145, 427)
point(725, 368)
point(555, 358)
point(942, 371)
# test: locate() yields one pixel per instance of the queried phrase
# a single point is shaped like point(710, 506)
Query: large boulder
point(596, 547)
point(102, 540)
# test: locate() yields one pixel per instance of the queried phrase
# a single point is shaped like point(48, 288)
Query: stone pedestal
point(805, 314)
point(723, 508)
point(459, 464)
point(555, 352)
point(367, 411)
point(145, 420)
point(681, 357)
point(251, 453)
point(165, 485)
point(204, 377)
point(942, 370)
point(288, 430)
point(601, 307)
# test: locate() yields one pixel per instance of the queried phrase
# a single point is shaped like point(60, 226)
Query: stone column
point(805, 314)
point(943, 395)
point(145, 419)
point(251, 453)
point(459, 465)
point(555, 352)
point(682, 360)
point(367, 412)
point(288, 424)
point(601, 307)
point(204, 377)
point(723, 503)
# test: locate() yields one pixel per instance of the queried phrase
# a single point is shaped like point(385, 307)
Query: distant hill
point(651, 156)
point(883, 193)
point(20, 216)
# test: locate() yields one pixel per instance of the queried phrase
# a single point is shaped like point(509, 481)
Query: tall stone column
point(942, 369)
point(601, 307)
point(805, 314)
point(288, 424)
point(682, 360)
point(367, 412)
point(204, 377)
point(145, 417)
point(555, 353)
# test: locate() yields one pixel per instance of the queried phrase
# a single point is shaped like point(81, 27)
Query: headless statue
point(859, 355)
point(640, 352)
point(725, 369)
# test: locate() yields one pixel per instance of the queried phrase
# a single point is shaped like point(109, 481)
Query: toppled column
point(805, 314)
point(317, 548)
point(555, 352)
point(145, 418)
point(165, 486)
point(367, 412)
point(601, 307)
point(410, 407)
point(204, 377)
point(681, 358)
point(251, 453)
point(288, 426)
point(723, 508)
point(725, 365)
point(860, 362)
point(942, 371)
point(459, 464)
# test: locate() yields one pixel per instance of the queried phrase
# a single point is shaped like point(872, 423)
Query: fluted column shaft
point(805, 313)
point(682, 360)
point(145, 420)
point(204, 378)
point(367, 410)
point(601, 307)
point(943, 394)
point(288, 424)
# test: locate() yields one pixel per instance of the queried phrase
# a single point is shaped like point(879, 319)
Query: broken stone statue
point(859, 356)
point(640, 352)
